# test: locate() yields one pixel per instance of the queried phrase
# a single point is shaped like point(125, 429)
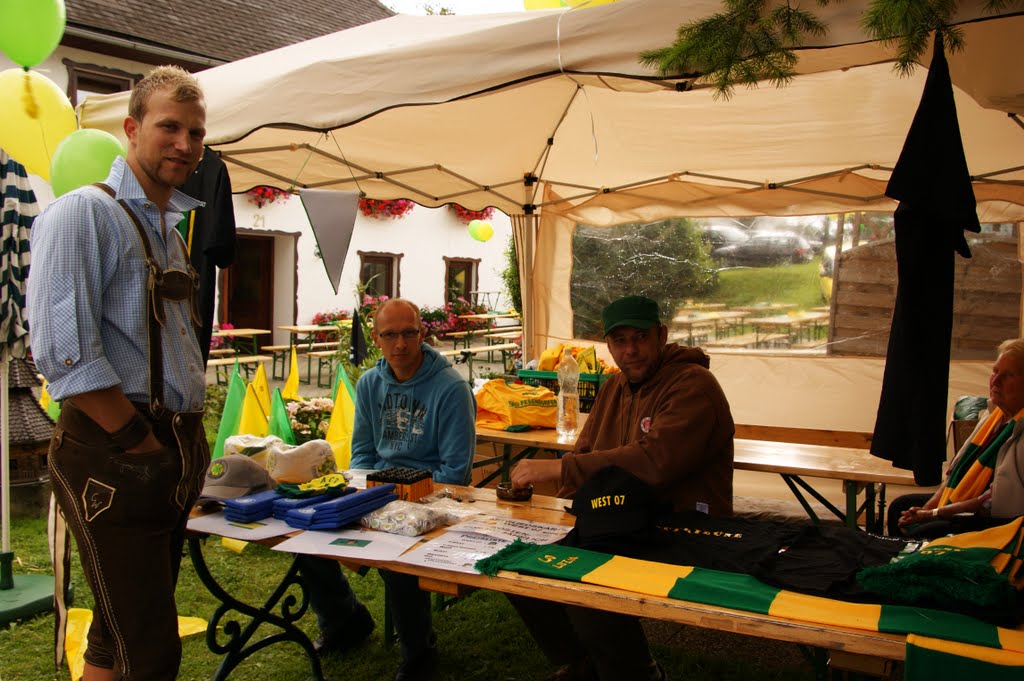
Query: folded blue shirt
point(251, 507)
point(334, 513)
point(351, 517)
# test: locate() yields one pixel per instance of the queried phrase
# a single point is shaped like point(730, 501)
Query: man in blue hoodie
point(412, 410)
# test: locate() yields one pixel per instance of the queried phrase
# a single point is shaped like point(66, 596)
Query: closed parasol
point(19, 211)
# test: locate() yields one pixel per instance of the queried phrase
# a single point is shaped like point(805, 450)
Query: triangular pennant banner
point(332, 214)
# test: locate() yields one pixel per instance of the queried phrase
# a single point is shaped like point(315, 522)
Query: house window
point(460, 278)
point(90, 79)
point(378, 273)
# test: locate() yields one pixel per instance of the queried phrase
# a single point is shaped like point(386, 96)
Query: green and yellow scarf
point(744, 592)
point(972, 473)
point(929, 659)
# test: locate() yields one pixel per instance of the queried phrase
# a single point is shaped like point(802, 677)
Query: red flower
point(263, 194)
point(328, 318)
point(385, 209)
point(467, 215)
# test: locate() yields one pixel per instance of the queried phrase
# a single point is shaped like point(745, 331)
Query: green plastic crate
point(588, 386)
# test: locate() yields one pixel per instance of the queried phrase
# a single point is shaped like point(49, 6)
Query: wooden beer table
point(859, 471)
point(281, 610)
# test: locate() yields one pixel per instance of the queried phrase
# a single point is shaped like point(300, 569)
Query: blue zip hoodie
point(427, 422)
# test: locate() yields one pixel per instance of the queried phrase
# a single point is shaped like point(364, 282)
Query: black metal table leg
point(240, 645)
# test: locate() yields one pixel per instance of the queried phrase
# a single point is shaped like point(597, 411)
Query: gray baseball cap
point(233, 476)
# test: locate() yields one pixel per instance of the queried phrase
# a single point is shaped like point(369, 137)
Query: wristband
point(131, 433)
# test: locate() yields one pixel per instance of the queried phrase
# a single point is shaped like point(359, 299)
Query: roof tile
point(225, 29)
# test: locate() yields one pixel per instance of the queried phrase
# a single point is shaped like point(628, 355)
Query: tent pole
point(5, 454)
point(6, 557)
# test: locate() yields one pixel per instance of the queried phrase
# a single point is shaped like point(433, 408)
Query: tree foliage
point(510, 276)
point(753, 40)
point(665, 260)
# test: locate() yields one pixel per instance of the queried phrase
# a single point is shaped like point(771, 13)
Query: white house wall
point(423, 237)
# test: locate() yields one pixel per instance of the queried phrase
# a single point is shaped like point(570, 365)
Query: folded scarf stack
point(285, 504)
point(339, 511)
point(251, 507)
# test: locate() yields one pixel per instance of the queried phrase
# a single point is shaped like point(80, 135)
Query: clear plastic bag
point(406, 518)
point(454, 510)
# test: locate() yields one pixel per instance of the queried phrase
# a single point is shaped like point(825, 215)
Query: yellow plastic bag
point(587, 359)
point(550, 358)
point(515, 406)
point(79, 621)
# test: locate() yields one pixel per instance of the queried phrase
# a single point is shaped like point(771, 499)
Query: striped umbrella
point(20, 209)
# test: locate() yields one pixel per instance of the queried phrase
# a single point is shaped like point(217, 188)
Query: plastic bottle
point(568, 397)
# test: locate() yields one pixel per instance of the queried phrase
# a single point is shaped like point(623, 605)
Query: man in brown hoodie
point(664, 419)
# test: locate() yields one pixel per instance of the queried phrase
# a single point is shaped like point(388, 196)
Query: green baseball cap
point(635, 311)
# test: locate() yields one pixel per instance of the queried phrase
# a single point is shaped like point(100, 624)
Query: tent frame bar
point(587, 191)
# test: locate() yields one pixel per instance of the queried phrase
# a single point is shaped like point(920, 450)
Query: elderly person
point(985, 482)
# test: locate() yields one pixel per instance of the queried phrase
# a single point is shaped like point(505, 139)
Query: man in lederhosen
point(110, 300)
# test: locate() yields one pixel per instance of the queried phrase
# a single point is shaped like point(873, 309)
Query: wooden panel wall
point(986, 305)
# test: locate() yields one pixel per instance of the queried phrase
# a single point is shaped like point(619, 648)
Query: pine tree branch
point(747, 43)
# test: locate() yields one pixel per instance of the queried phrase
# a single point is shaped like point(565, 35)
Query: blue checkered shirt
point(87, 297)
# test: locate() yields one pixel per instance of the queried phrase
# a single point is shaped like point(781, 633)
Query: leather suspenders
point(169, 284)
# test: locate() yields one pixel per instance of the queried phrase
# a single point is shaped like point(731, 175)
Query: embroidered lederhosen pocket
point(96, 498)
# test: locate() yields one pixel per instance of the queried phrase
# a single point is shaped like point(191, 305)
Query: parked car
point(766, 248)
point(720, 236)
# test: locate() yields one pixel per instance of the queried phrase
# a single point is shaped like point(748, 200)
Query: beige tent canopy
point(461, 108)
point(549, 117)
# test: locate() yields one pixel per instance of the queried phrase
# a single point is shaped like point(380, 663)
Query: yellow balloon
point(480, 230)
point(35, 118)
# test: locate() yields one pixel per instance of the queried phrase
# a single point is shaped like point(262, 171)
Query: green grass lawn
point(479, 636)
point(796, 284)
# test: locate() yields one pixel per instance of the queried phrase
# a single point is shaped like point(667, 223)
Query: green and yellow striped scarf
point(972, 473)
point(976, 570)
point(744, 592)
point(929, 659)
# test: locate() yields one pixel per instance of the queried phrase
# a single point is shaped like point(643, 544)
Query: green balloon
point(30, 30)
point(84, 157)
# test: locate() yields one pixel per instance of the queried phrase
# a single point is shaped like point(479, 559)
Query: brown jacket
point(674, 433)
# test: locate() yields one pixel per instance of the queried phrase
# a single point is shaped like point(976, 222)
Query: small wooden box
point(411, 484)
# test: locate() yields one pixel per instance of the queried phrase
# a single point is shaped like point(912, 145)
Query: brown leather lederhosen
point(128, 511)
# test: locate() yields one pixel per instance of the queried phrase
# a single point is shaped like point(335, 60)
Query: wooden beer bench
point(466, 354)
point(795, 454)
point(222, 366)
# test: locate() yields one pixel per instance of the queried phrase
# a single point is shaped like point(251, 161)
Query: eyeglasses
point(406, 334)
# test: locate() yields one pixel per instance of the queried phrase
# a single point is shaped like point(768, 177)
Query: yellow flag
point(236, 545)
point(339, 430)
point(291, 386)
point(259, 383)
point(253, 420)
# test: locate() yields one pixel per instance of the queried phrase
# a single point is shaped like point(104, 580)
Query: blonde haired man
point(110, 303)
